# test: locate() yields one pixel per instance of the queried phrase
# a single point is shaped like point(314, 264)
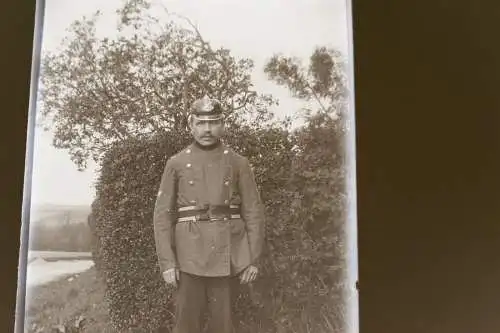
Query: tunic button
point(188, 151)
point(191, 182)
point(188, 165)
point(226, 183)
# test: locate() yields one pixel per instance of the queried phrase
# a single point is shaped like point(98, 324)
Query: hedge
point(300, 176)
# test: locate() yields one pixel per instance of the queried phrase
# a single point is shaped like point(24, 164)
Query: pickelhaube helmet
point(206, 108)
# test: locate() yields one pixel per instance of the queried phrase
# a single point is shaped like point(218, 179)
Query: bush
point(94, 240)
point(123, 212)
point(307, 243)
point(299, 175)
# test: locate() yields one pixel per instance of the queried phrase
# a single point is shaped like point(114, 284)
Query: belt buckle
point(217, 212)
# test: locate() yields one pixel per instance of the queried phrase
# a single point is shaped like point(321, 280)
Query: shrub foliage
point(299, 177)
point(123, 215)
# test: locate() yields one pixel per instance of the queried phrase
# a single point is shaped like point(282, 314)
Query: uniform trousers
point(198, 296)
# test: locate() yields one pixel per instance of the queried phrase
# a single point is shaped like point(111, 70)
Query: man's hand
point(171, 276)
point(249, 275)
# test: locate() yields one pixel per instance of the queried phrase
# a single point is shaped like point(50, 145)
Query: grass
point(65, 301)
point(82, 296)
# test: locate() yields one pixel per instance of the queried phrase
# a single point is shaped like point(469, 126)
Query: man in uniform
point(209, 224)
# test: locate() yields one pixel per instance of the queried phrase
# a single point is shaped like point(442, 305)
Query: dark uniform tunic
point(195, 180)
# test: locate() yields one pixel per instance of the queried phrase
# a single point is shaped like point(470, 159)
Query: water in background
point(40, 271)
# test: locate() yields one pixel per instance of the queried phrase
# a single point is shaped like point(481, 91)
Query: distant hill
point(58, 215)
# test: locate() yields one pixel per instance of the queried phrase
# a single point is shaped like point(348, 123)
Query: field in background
point(58, 214)
point(60, 228)
point(70, 237)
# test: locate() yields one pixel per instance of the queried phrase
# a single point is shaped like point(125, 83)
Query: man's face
point(206, 131)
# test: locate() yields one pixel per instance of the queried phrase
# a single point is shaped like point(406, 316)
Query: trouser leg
point(222, 293)
point(191, 304)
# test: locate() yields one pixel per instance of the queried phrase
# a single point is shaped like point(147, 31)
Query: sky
point(254, 29)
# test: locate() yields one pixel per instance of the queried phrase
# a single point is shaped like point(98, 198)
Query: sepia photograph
point(191, 168)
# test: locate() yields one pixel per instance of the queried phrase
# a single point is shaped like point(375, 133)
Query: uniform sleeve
point(252, 210)
point(164, 218)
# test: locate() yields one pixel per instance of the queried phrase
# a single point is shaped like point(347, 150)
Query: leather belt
point(208, 213)
point(212, 219)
